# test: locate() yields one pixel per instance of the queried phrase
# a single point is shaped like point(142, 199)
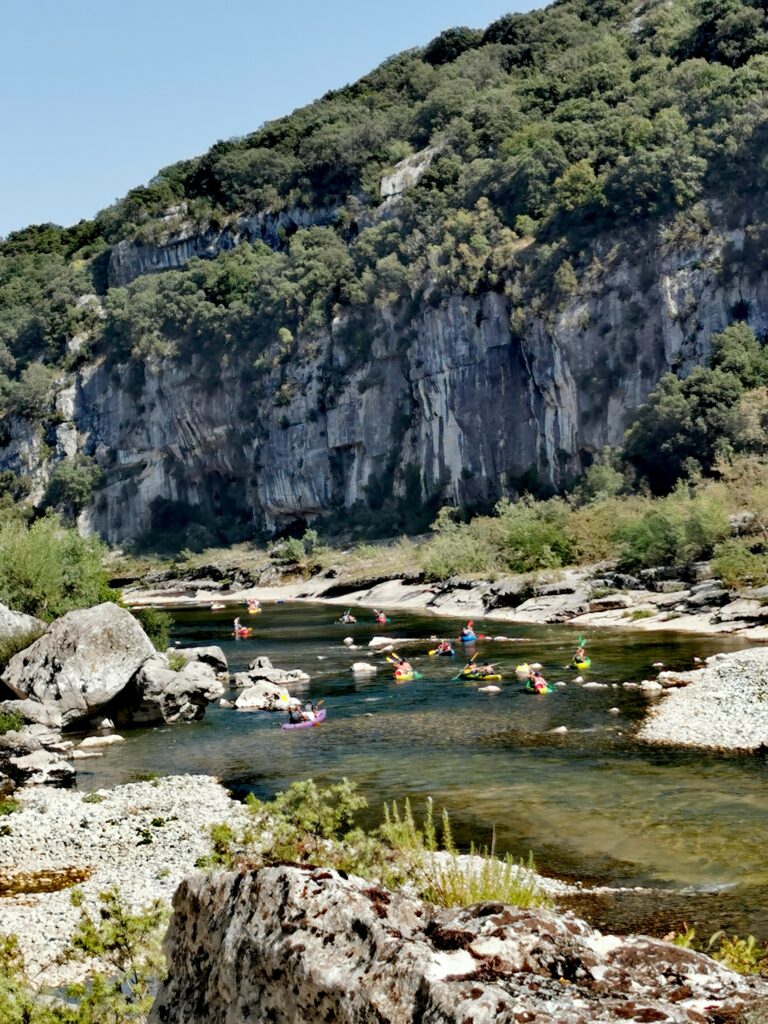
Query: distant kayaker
point(445, 648)
point(347, 617)
point(310, 711)
point(379, 616)
point(537, 682)
point(468, 632)
point(253, 605)
point(295, 715)
point(403, 666)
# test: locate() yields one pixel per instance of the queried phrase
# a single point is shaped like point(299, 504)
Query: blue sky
point(97, 95)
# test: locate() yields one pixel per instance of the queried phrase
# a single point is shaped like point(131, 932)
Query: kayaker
point(253, 604)
point(485, 670)
point(295, 715)
point(347, 617)
point(467, 632)
point(310, 711)
point(580, 654)
point(445, 647)
point(402, 666)
point(537, 682)
point(379, 616)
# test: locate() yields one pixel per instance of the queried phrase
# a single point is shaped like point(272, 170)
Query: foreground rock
point(143, 838)
point(723, 705)
point(159, 693)
point(287, 946)
point(262, 670)
point(82, 662)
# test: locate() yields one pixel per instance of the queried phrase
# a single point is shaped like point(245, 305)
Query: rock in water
point(263, 696)
point(299, 945)
point(262, 670)
point(84, 661)
point(160, 694)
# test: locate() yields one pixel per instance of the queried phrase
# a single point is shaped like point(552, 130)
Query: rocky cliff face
point(294, 946)
point(469, 403)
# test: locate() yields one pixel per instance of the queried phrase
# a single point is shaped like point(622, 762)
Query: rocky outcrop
point(212, 656)
point(82, 662)
point(32, 757)
point(721, 706)
point(159, 693)
point(262, 670)
point(17, 624)
point(291, 946)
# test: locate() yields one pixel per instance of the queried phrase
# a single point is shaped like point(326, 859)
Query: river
point(591, 804)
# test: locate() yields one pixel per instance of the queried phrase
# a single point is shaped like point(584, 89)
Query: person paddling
point(379, 616)
point(445, 647)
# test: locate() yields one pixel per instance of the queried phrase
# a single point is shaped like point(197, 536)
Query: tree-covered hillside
point(547, 132)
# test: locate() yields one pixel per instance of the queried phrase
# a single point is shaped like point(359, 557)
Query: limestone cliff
point(463, 407)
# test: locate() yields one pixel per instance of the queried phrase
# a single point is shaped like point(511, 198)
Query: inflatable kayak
point(523, 670)
point(319, 717)
point(529, 688)
point(245, 631)
point(480, 677)
point(406, 677)
point(468, 638)
point(581, 665)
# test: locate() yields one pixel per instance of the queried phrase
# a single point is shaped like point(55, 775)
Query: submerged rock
point(84, 660)
point(295, 945)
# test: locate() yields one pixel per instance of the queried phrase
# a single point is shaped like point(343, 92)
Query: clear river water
point(591, 804)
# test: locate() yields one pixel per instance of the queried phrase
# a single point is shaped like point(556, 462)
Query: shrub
point(176, 661)
point(10, 721)
point(741, 562)
point(156, 624)
point(11, 645)
point(47, 569)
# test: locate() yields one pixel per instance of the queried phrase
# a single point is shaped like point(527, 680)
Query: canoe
point(319, 717)
point(479, 677)
point(406, 677)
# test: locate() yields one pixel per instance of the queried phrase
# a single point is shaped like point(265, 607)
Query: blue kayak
point(468, 639)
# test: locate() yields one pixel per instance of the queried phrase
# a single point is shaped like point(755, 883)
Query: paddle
point(463, 670)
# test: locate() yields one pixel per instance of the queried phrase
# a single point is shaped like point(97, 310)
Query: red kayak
point(319, 717)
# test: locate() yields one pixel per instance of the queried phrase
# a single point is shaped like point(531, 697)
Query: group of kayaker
point(298, 714)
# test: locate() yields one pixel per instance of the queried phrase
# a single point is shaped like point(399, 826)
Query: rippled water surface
point(590, 803)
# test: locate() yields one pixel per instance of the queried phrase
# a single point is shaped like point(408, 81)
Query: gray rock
point(33, 711)
point(159, 694)
point(708, 598)
point(263, 696)
point(704, 586)
point(83, 661)
point(736, 611)
point(39, 768)
point(670, 586)
point(294, 946)
point(18, 624)
point(261, 669)
point(213, 656)
point(610, 602)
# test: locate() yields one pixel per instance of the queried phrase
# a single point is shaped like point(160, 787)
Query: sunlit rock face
point(466, 403)
point(292, 946)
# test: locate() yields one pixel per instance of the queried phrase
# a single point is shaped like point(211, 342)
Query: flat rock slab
point(291, 945)
point(82, 662)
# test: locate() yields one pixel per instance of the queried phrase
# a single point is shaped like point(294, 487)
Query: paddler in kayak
point(402, 667)
point(537, 682)
point(445, 648)
point(348, 617)
point(379, 617)
point(254, 605)
point(468, 634)
point(239, 628)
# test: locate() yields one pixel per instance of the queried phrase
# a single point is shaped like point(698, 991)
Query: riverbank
point(596, 597)
point(142, 838)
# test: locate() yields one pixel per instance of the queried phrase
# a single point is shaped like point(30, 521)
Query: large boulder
point(161, 694)
point(82, 662)
point(33, 711)
point(292, 945)
point(13, 624)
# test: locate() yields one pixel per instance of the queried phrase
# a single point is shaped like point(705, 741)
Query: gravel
point(724, 705)
point(143, 838)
